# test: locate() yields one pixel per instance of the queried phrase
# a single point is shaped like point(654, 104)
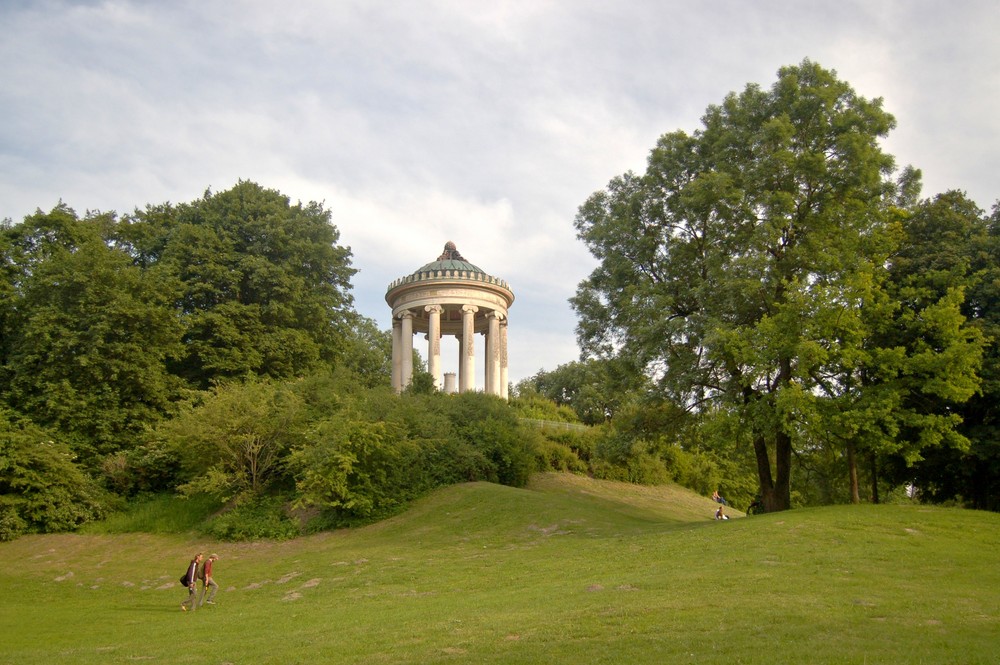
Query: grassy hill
point(568, 570)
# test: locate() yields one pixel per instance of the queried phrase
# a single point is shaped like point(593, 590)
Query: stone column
point(406, 349)
point(461, 362)
point(493, 353)
point(434, 343)
point(467, 381)
point(397, 355)
point(504, 364)
point(489, 342)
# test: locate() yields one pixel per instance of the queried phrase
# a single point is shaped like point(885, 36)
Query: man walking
point(207, 582)
point(192, 581)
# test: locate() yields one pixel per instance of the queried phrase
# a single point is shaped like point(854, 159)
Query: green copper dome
point(449, 267)
point(450, 259)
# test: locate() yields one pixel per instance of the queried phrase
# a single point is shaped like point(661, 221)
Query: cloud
point(487, 124)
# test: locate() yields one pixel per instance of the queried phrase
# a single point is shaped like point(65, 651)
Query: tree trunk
point(782, 497)
point(763, 471)
point(874, 464)
point(852, 471)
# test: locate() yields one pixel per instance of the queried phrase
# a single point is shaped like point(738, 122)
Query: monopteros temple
point(451, 296)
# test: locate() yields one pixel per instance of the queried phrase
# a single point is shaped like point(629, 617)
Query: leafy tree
point(734, 271)
point(952, 243)
point(368, 352)
point(88, 334)
point(235, 443)
point(41, 488)
point(265, 286)
point(596, 389)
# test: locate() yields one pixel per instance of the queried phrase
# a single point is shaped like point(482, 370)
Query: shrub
point(358, 469)
point(41, 488)
point(235, 443)
point(254, 519)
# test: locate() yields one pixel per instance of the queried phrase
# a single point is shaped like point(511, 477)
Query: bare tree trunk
point(782, 497)
point(763, 471)
point(874, 464)
point(852, 471)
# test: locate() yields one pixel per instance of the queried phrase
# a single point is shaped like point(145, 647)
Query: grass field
point(569, 570)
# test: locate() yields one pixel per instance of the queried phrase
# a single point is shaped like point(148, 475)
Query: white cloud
point(487, 124)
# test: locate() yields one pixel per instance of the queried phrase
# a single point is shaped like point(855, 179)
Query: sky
point(483, 123)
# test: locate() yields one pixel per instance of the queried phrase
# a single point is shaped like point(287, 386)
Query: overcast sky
point(487, 123)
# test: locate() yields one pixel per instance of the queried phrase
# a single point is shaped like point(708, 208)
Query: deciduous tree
point(735, 270)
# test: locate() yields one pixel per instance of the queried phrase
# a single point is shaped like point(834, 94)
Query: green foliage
point(528, 403)
point(595, 390)
point(745, 272)
point(383, 450)
point(152, 466)
point(359, 469)
point(265, 284)
point(86, 352)
point(41, 489)
point(235, 442)
point(254, 519)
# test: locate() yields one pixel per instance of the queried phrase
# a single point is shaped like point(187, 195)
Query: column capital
point(433, 308)
point(406, 314)
point(470, 308)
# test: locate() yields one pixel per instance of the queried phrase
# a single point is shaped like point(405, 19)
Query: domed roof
point(450, 267)
point(450, 259)
point(449, 271)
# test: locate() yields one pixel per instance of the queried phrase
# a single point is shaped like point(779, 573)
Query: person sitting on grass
point(718, 499)
point(719, 515)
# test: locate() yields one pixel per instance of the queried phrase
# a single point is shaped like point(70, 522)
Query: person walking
point(207, 582)
point(192, 581)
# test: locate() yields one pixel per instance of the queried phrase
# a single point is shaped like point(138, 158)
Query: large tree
point(87, 335)
point(950, 243)
point(736, 268)
point(265, 286)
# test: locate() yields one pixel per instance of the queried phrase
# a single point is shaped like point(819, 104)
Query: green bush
point(254, 519)
point(556, 456)
point(358, 469)
point(41, 488)
point(11, 524)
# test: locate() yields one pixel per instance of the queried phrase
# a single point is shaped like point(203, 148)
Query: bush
point(254, 519)
point(11, 524)
point(358, 469)
point(41, 488)
point(556, 456)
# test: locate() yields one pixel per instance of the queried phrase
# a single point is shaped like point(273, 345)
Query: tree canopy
point(745, 272)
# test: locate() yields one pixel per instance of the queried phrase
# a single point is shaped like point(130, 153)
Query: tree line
point(775, 313)
point(212, 349)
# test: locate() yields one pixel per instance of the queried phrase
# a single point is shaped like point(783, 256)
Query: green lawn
point(569, 570)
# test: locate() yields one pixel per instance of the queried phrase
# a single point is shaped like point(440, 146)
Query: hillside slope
point(567, 570)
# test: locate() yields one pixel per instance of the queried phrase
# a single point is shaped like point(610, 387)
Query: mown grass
point(569, 570)
point(162, 513)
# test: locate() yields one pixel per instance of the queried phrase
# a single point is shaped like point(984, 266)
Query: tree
point(41, 489)
point(88, 336)
point(595, 389)
point(951, 243)
point(265, 286)
point(234, 444)
point(735, 270)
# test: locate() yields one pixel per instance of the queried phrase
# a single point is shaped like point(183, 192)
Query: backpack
point(184, 578)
